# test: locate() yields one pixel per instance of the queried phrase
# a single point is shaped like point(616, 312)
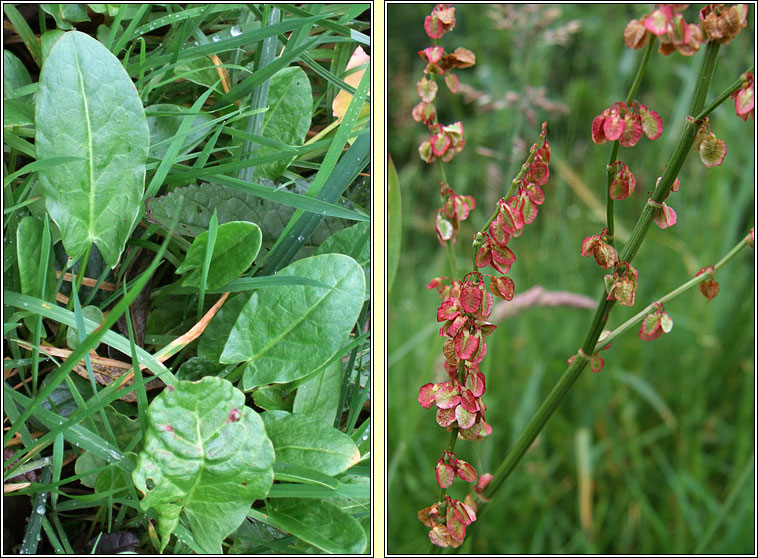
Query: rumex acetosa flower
point(622, 285)
point(623, 182)
point(709, 288)
point(605, 253)
point(710, 149)
point(455, 208)
point(744, 98)
point(448, 527)
point(669, 26)
point(519, 210)
point(448, 467)
point(655, 323)
point(626, 123)
point(441, 20)
point(722, 22)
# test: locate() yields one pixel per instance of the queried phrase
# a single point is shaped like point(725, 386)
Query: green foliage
point(87, 107)
point(288, 117)
point(206, 455)
point(135, 220)
point(661, 482)
point(293, 330)
point(235, 248)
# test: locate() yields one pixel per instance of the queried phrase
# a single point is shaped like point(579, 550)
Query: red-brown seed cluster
point(626, 123)
point(448, 521)
point(621, 285)
point(655, 323)
point(519, 210)
point(744, 98)
point(709, 288)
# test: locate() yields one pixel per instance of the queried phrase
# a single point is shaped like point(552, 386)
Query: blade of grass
point(91, 340)
point(258, 78)
point(265, 55)
point(39, 165)
point(24, 31)
point(173, 149)
point(212, 233)
point(223, 45)
point(337, 180)
point(299, 201)
point(32, 534)
point(57, 465)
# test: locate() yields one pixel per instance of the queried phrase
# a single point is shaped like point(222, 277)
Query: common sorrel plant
point(466, 306)
point(186, 229)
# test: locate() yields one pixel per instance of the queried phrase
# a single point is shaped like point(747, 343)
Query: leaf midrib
point(296, 323)
point(90, 149)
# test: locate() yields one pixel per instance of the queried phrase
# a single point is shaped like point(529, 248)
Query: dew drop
point(41, 510)
point(300, 238)
point(216, 38)
point(235, 31)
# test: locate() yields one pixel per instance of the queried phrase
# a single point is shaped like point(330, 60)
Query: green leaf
point(91, 313)
point(307, 442)
point(288, 118)
point(352, 241)
point(206, 455)
point(213, 339)
point(64, 13)
point(237, 245)
point(274, 397)
point(124, 430)
point(17, 113)
point(48, 39)
point(164, 121)
point(284, 471)
point(88, 107)
point(320, 524)
point(29, 235)
point(15, 75)
point(394, 223)
point(286, 333)
point(320, 396)
point(198, 203)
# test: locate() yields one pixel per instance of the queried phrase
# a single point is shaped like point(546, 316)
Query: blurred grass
point(665, 432)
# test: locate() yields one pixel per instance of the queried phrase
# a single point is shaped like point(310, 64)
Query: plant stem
point(573, 371)
point(737, 84)
point(705, 276)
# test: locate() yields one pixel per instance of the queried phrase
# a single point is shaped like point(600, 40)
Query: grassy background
point(663, 435)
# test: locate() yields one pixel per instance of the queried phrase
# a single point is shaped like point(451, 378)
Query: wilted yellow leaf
point(343, 98)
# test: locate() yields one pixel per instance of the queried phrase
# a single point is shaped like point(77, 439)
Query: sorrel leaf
point(88, 107)
point(164, 121)
point(286, 333)
point(288, 117)
point(320, 523)
point(206, 455)
point(308, 442)
point(319, 397)
point(237, 244)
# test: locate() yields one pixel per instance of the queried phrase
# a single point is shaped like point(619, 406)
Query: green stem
point(705, 276)
point(573, 371)
point(736, 85)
